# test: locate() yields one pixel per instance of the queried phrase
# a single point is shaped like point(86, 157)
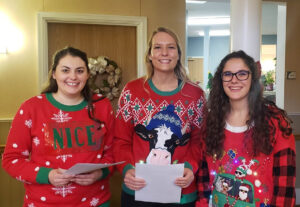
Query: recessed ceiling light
point(195, 2)
point(208, 20)
point(216, 33)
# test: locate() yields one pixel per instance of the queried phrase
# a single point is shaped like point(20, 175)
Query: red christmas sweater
point(47, 135)
point(144, 113)
point(238, 179)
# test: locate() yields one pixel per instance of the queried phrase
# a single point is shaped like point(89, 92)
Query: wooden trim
point(44, 17)
point(6, 120)
point(2, 147)
point(297, 137)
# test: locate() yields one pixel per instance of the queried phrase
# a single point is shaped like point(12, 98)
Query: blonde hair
point(179, 70)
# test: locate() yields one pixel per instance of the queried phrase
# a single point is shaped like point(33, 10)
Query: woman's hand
point(57, 178)
point(88, 178)
point(132, 182)
point(186, 180)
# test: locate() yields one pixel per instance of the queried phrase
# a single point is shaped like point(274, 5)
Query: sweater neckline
point(165, 93)
point(236, 129)
point(64, 107)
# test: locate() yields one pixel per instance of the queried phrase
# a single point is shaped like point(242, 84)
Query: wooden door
point(195, 66)
point(118, 43)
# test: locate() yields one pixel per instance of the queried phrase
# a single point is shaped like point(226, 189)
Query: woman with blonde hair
point(164, 102)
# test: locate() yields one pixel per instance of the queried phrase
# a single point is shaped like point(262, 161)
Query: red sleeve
point(195, 144)
point(124, 129)
point(108, 141)
point(16, 160)
point(194, 154)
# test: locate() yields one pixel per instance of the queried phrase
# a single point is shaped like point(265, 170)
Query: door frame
point(280, 54)
point(44, 18)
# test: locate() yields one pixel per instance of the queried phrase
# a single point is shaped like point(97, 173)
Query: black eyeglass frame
point(235, 74)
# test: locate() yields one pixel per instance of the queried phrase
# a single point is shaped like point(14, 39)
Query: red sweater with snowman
point(45, 135)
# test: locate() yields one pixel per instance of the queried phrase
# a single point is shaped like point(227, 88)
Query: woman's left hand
point(186, 180)
point(88, 178)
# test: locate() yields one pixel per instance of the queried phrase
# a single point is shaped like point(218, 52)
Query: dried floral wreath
point(105, 76)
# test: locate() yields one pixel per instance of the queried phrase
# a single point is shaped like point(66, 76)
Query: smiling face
point(164, 52)
point(237, 90)
point(71, 75)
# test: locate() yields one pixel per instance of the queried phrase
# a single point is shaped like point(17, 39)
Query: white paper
point(88, 167)
point(160, 183)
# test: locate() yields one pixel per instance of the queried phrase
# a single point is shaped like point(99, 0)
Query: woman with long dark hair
point(65, 125)
point(249, 142)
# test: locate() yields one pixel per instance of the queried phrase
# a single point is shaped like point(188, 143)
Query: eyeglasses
point(240, 75)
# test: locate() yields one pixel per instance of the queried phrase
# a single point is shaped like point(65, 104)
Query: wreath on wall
point(105, 76)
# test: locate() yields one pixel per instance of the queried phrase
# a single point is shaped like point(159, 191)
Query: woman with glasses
point(249, 142)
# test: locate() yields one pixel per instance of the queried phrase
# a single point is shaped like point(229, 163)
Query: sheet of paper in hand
point(160, 183)
point(80, 168)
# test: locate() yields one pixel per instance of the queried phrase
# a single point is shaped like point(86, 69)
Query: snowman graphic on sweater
point(245, 169)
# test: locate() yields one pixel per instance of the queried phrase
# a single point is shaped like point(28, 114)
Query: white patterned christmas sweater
point(159, 127)
point(48, 135)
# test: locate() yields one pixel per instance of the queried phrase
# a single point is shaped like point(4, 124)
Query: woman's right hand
point(58, 178)
point(132, 182)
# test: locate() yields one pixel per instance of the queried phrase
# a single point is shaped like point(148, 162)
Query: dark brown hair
point(86, 92)
point(262, 113)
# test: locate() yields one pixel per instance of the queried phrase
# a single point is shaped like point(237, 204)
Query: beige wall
point(292, 87)
point(292, 97)
point(171, 15)
point(19, 70)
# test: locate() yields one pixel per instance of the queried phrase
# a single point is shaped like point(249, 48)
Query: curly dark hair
point(262, 113)
point(86, 92)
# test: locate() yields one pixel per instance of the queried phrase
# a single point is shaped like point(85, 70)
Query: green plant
point(269, 77)
point(209, 82)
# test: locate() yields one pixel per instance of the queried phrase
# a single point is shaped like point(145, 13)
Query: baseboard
point(293, 113)
point(297, 197)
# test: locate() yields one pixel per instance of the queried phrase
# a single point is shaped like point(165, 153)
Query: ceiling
point(222, 8)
